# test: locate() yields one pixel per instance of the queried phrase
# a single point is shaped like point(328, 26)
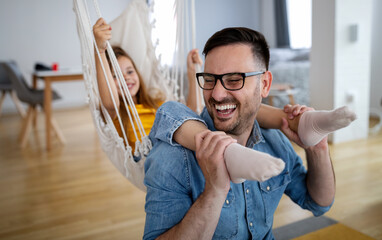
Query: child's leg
point(242, 163)
point(313, 126)
point(180, 123)
point(185, 134)
point(247, 164)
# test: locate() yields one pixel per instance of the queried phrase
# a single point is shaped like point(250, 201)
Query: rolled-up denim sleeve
point(168, 189)
point(297, 189)
point(169, 117)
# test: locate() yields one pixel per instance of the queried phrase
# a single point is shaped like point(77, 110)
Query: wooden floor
point(74, 192)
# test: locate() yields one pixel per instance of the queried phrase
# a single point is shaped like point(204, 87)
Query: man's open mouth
point(225, 109)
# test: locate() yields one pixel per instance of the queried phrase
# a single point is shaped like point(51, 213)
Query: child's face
point(130, 75)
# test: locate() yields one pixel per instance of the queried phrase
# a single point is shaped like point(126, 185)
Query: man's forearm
point(320, 178)
point(200, 221)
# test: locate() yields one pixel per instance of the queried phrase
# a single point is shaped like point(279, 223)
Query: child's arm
point(193, 91)
point(102, 33)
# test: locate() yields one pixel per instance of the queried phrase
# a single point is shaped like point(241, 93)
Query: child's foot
point(315, 125)
point(247, 164)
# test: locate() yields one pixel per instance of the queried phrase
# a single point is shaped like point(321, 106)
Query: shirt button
point(247, 191)
point(268, 188)
point(251, 224)
point(227, 201)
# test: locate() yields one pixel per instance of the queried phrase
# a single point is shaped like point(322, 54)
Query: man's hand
point(202, 218)
point(296, 110)
point(210, 148)
point(293, 112)
point(320, 178)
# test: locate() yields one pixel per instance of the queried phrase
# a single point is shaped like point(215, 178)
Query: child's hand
point(192, 59)
point(102, 33)
point(294, 110)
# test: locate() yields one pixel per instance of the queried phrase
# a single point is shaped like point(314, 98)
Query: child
point(145, 103)
point(252, 165)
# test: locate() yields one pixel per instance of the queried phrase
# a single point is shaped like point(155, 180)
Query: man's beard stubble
point(245, 120)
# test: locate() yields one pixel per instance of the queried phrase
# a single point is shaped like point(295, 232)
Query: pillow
point(132, 32)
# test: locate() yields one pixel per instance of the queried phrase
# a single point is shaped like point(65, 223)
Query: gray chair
point(26, 94)
point(6, 87)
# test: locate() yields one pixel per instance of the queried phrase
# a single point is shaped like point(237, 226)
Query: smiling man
point(189, 194)
point(232, 106)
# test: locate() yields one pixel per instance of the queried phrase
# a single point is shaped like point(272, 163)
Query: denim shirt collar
point(254, 138)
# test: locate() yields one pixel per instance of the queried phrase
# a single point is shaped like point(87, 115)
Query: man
point(190, 196)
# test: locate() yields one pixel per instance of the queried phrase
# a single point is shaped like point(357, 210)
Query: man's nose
point(219, 92)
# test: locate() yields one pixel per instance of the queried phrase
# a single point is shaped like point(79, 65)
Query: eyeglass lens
point(230, 81)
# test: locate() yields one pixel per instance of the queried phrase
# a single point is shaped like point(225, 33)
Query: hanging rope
point(115, 147)
point(139, 151)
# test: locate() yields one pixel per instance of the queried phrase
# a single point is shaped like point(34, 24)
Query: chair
point(32, 97)
point(6, 87)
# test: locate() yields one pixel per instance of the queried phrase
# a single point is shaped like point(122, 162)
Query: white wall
point(340, 67)
point(45, 31)
point(376, 57)
point(268, 22)
point(214, 15)
point(322, 55)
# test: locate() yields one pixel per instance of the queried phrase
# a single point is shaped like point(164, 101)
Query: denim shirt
point(174, 181)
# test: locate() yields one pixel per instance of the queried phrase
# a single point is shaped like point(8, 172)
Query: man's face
point(235, 111)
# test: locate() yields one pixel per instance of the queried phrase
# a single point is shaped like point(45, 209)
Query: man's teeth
point(225, 107)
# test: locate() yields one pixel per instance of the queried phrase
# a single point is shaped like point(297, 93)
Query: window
point(300, 23)
point(165, 30)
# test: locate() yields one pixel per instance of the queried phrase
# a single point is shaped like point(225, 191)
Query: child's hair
point(142, 95)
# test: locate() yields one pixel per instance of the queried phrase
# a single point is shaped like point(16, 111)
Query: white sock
point(247, 164)
point(315, 125)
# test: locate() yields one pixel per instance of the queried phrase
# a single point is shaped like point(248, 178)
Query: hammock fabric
point(134, 21)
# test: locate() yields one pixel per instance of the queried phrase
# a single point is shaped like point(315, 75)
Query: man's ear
point(266, 82)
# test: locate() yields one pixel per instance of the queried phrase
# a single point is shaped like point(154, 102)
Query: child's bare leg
point(313, 126)
point(293, 123)
point(242, 163)
point(185, 134)
point(271, 117)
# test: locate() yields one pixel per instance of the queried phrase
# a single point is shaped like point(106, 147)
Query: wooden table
point(49, 77)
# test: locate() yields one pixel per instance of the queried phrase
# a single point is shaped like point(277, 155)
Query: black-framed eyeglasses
point(230, 81)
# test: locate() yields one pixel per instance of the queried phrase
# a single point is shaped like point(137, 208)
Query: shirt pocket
point(272, 191)
point(227, 227)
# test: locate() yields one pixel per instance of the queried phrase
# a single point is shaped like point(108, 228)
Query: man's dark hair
point(237, 35)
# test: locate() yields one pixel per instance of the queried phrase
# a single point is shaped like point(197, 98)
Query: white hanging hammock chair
point(134, 21)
